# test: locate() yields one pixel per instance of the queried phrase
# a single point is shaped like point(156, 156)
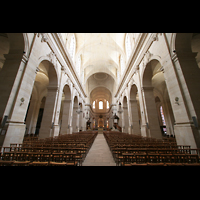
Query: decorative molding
point(134, 55)
point(147, 57)
point(64, 54)
point(52, 58)
point(44, 37)
point(155, 37)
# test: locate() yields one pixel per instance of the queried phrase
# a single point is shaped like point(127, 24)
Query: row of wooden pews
point(62, 150)
point(135, 150)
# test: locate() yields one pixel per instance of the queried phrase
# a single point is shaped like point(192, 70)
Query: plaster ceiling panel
point(100, 50)
point(100, 80)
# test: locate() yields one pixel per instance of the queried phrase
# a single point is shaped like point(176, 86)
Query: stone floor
point(99, 154)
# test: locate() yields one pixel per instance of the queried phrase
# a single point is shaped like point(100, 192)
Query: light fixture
point(79, 109)
point(177, 100)
point(120, 108)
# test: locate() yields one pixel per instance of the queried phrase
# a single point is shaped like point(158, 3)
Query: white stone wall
point(156, 69)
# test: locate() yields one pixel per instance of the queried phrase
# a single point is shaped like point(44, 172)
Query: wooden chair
point(69, 158)
point(141, 158)
point(118, 155)
point(127, 159)
point(21, 163)
point(6, 163)
point(39, 163)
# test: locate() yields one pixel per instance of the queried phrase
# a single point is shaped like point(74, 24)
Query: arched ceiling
point(100, 52)
point(100, 93)
point(98, 81)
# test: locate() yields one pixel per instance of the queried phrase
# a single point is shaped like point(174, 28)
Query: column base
point(55, 130)
point(184, 133)
point(14, 133)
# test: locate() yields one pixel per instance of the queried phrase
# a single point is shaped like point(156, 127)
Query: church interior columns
point(75, 115)
point(134, 106)
point(45, 83)
point(151, 113)
point(65, 117)
point(47, 123)
point(135, 118)
point(125, 116)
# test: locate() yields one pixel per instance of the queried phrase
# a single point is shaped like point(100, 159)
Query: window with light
point(107, 105)
point(100, 105)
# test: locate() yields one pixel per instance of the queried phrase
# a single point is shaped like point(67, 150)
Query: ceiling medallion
point(100, 76)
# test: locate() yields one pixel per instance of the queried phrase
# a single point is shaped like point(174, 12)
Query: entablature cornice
point(65, 57)
point(139, 53)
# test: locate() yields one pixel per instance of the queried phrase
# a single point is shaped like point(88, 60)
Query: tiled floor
point(99, 154)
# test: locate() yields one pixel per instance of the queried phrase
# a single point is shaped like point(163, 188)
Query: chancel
point(99, 99)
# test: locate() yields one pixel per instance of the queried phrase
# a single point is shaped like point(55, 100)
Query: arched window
point(162, 116)
point(101, 105)
point(107, 105)
point(128, 46)
point(72, 47)
point(93, 104)
point(163, 120)
point(78, 65)
point(122, 64)
point(118, 76)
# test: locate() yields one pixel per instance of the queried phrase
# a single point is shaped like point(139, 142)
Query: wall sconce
point(177, 100)
point(22, 101)
point(79, 109)
point(120, 108)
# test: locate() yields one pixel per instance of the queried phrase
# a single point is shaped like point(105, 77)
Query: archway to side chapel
point(125, 122)
point(40, 114)
point(75, 115)
point(65, 110)
point(135, 111)
point(154, 82)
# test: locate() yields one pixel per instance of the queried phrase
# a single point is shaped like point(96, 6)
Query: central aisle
point(99, 154)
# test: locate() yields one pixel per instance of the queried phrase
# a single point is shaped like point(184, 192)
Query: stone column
point(189, 75)
point(48, 115)
point(125, 120)
point(35, 116)
point(30, 115)
point(183, 128)
point(151, 113)
point(83, 120)
point(65, 117)
point(135, 117)
point(74, 119)
point(18, 100)
point(143, 125)
point(9, 81)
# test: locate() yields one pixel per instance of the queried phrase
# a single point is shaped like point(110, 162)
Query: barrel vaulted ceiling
point(100, 60)
point(100, 52)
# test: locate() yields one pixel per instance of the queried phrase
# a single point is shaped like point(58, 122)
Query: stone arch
point(12, 48)
point(47, 70)
point(74, 114)
point(135, 111)
point(53, 73)
point(125, 116)
point(65, 108)
point(151, 112)
point(133, 92)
